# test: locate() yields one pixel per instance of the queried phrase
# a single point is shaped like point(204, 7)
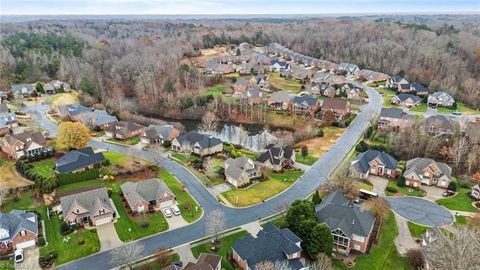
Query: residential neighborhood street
point(421, 211)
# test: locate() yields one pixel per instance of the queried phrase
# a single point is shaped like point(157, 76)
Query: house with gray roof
point(73, 112)
point(406, 100)
point(7, 122)
point(18, 229)
point(239, 171)
point(428, 172)
point(49, 89)
point(277, 157)
point(394, 119)
point(351, 226)
point(78, 161)
point(123, 130)
point(197, 143)
point(253, 96)
point(373, 162)
point(417, 88)
point(271, 244)
point(440, 98)
point(394, 82)
point(349, 69)
point(60, 86)
point(280, 100)
point(305, 105)
point(91, 208)
point(24, 90)
point(159, 134)
point(439, 125)
point(98, 119)
point(151, 194)
point(204, 262)
point(240, 86)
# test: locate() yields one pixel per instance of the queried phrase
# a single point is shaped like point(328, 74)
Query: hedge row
point(70, 178)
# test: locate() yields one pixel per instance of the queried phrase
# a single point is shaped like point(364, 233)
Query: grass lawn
point(182, 196)
point(98, 133)
point(422, 107)
point(383, 255)
point(461, 220)
point(387, 95)
point(67, 250)
point(308, 160)
point(185, 158)
point(284, 84)
point(280, 222)
point(225, 246)
point(261, 191)
point(129, 141)
point(243, 152)
point(6, 264)
point(417, 230)
point(115, 157)
point(461, 201)
point(45, 167)
point(156, 264)
point(460, 108)
point(215, 90)
point(319, 145)
point(403, 190)
point(62, 98)
point(25, 201)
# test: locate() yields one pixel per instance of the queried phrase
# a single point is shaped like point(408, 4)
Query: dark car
point(178, 263)
point(457, 113)
point(448, 193)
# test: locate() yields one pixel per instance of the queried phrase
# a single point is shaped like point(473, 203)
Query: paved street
point(39, 114)
point(421, 211)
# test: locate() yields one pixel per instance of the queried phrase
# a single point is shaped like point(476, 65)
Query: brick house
point(339, 107)
point(124, 130)
point(91, 208)
point(154, 134)
point(428, 172)
point(305, 105)
point(351, 227)
point(78, 161)
point(406, 100)
point(205, 262)
point(18, 229)
point(240, 86)
point(100, 119)
point(373, 162)
point(276, 157)
point(196, 143)
point(239, 171)
point(393, 119)
point(149, 194)
point(24, 144)
point(280, 100)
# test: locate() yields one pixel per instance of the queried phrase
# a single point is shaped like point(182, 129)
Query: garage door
point(103, 221)
point(26, 244)
point(166, 204)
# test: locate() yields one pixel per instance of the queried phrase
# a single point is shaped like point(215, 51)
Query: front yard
point(409, 191)
point(460, 108)
point(129, 141)
point(422, 107)
point(387, 95)
point(260, 191)
point(460, 202)
point(308, 160)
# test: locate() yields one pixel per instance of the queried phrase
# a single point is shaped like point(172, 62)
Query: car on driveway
point(176, 210)
point(18, 256)
point(167, 212)
point(457, 113)
point(448, 193)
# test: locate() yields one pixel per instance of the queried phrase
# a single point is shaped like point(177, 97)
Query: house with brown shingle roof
point(25, 144)
point(124, 130)
point(339, 107)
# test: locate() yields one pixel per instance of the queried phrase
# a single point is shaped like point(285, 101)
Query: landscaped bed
point(461, 201)
point(262, 190)
point(129, 141)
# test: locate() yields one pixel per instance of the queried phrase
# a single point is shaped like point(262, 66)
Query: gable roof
point(92, 201)
point(418, 87)
point(160, 131)
point(440, 121)
point(124, 127)
point(98, 118)
point(241, 81)
point(21, 88)
point(74, 109)
point(78, 159)
point(27, 138)
point(281, 96)
point(6, 118)
point(275, 154)
point(234, 167)
point(204, 262)
point(194, 137)
point(305, 99)
point(18, 220)
point(404, 96)
point(336, 212)
point(362, 160)
point(417, 165)
point(334, 104)
point(272, 244)
point(146, 190)
point(391, 113)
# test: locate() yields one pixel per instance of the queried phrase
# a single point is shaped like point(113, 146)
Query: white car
point(176, 210)
point(167, 212)
point(18, 257)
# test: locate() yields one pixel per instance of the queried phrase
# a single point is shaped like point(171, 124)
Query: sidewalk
point(185, 253)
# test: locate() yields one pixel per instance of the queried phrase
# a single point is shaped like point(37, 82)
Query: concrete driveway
point(108, 237)
point(421, 211)
point(379, 184)
point(404, 240)
point(433, 193)
point(30, 259)
point(175, 222)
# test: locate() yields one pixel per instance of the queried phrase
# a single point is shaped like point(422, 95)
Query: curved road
point(234, 216)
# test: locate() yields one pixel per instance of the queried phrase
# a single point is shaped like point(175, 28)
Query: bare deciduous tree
point(209, 166)
point(215, 223)
point(126, 255)
point(323, 262)
point(268, 265)
point(209, 122)
point(378, 206)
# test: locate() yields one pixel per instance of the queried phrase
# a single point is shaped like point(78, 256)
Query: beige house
point(394, 119)
point(196, 143)
point(373, 162)
point(151, 194)
point(239, 171)
point(428, 172)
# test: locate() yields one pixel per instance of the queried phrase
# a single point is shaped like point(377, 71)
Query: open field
point(62, 98)
point(319, 145)
point(9, 176)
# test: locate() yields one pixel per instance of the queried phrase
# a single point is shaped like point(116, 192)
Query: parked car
point(18, 256)
point(176, 210)
point(448, 193)
point(457, 113)
point(167, 212)
point(178, 263)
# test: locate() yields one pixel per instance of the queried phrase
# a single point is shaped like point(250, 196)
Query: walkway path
point(404, 240)
point(185, 253)
point(253, 228)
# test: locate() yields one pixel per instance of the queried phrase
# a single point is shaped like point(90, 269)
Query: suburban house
point(260, 81)
point(18, 230)
point(92, 208)
point(7, 122)
point(280, 100)
point(196, 143)
point(223, 69)
point(339, 107)
point(300, 73)
point(160, 134)
point(240, 86)
point(49, 89)
point(349, 69)
point(204, 262)
point(428, 172)
point(278, 66)
point(151, 194)
point(271, 244)
point(25, 144)
point(373, 162)
point(124, 130)
point(406, 100)
point(24, 90)
point(439, 125)
point(78, 161)
point(305, 105)
point(276, 157)
point(351, 226)
point(395, 81)
point(394, 119)
point(60, 86)
point(239, 171)
point(253, 96)
point(418, 88)
point(476, 192)
point(73, 111)
point(375, 76)
point(441, 98)
point(98, 119)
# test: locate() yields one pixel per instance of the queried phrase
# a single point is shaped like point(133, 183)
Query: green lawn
point(460, 108)
point(225, 246)
point(79, 185)
point(460, 220)
point(308, 160)
point(156, 264)
point(115, 157)
point(261, 191)
point(182, 196)
point(45, 167)
point(387, 95)
point(284, 84)
point(67, 250)
point(129, 141)
point(461, 201)
point(214, 90)
point(404, 190)
point(417, 230)
point(6, 265)
point(422, 107)
point(184, 157)
point(26, 200)
point(280, 222)
point(243, 152)
point(383, 255)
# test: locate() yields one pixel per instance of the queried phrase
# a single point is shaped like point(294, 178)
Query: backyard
point(284, 84)
point(262, 190)
point(45, 168)
point(224, 247)
point(461, 201)
point(215, 90)
point(319, 145)
point(10, 178)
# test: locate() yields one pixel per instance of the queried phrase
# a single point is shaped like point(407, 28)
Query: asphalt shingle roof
point(403, 96)
point(391, 113)
point(417, 165)
point(78, 159)
point(147, 190)
point(17, 220)
point(362, 160)
point(92, 201)
point(306, 99)
point(203, 140)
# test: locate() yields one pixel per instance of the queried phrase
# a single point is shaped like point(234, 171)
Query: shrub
point(65, 228)
point(167, 144)
point(401, 181)
point(320, 133)
point(41, 241)
point(452, 186)
point(106, 162)
point(70, 178)
point(362, 146)
point(392, 189)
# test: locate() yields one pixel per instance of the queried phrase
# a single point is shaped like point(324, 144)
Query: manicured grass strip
point(417, 230)
point(461, 201)
point(404, 190)
point(225, 247)
point(45, 167)
point(261, 191)
point(460, 220)
point(79, 185)
point(182, 196)
point(308, 160)
point(185, 158)
point(115, 158)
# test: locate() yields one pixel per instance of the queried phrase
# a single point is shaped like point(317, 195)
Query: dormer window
point(78, 211)
point(23, 232)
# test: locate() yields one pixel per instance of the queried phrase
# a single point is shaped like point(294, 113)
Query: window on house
point(22, 233)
